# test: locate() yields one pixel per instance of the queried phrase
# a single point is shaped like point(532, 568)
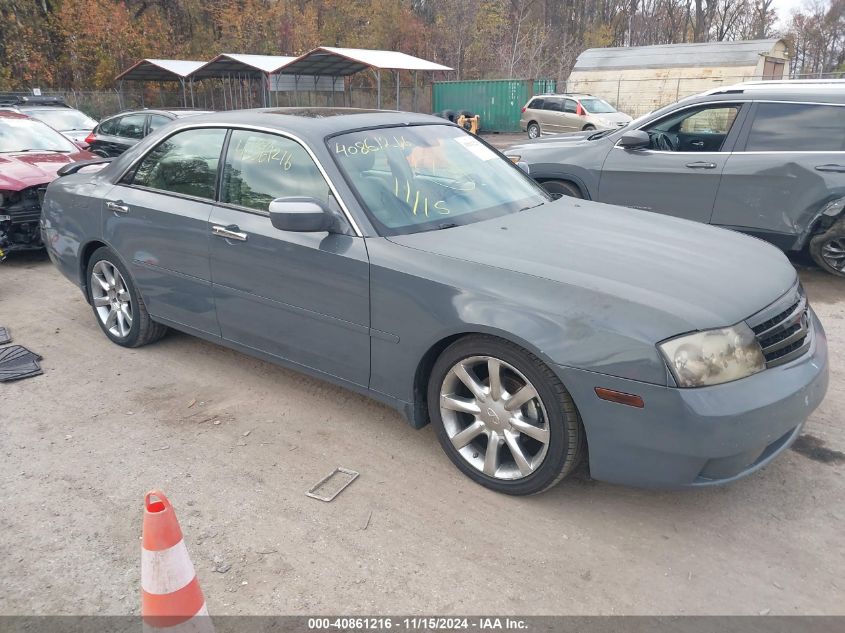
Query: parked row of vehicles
point(765, 158)
point(399, 256)
point(38, 135)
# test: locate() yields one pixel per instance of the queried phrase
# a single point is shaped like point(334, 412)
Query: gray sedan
point(398, 256)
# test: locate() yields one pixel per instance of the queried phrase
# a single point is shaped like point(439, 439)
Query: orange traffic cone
point(170, 592)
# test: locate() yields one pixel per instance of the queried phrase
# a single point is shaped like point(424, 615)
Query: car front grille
point(24, 206)
point(784, 329)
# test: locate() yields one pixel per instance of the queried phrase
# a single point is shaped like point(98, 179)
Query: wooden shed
point(638, 79)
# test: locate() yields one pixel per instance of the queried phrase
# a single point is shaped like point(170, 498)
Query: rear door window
point(261, 167)
point(797, 127)
point(108, 127)
point(156, 121)
point(130, 126)
point(554, 105)
point(185, 163)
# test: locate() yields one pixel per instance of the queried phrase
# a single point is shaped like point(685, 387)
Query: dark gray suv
point(764, 158)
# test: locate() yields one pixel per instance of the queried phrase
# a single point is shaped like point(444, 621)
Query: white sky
point(785, 8)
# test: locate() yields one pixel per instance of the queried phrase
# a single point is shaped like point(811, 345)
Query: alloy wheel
point(494, 417)
point(111, 297)
point(833, 253)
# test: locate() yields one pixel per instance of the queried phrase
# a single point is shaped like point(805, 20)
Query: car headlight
point(714, 356)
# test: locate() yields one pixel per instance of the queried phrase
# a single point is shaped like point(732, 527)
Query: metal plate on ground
point(17, 362)
point(332, 484)
point(5, 337)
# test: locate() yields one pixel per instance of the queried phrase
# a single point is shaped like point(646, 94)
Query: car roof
point(578, 95)
point(316, 123)
point(821, 90)
point(173, 112)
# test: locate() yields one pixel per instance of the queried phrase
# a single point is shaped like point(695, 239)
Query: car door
point(679, 173)
point(571, 122)
point(303, 297)
point(128, 131)
point(156, 219)
point(552, 115)
point(789, 163)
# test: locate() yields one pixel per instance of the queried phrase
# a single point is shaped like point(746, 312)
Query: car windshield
point(29, 135)
point(430, 177)
point(597, 106)
point(64, 118)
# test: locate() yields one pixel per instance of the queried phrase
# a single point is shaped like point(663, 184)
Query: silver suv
point(555, 113)
point(764, 158)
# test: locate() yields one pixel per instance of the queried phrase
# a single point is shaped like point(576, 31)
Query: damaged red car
point(31, 152)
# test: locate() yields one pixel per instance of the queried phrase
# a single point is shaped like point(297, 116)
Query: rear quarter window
point(535, 104)
point(797, 127)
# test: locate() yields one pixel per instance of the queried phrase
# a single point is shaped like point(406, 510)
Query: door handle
point(230, 232)
point(117, 207)
point(701, 165)
point(831, 167)
point(697, 143)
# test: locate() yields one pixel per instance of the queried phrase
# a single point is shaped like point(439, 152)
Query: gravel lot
point(236, 442)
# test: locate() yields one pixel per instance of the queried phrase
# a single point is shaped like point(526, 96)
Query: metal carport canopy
point(159, 70)
point(227, 64)
point(340, 62)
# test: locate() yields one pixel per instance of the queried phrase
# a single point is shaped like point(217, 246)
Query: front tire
point(589, 127)
point(503, 417)
point(118, 307)
point(828, 249)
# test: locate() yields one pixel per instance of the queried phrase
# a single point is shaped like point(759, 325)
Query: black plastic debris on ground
point(17, 362)
point(5, 337)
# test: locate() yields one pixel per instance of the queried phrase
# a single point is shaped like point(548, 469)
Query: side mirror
point(524, 167)
point(303, 215)
point(634, 139)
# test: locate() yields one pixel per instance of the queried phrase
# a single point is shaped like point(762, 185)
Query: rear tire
point(534, 130)
point(828, 249)
point(450, 115)
point(118, 307)
point(562, 187)
point(538, 441)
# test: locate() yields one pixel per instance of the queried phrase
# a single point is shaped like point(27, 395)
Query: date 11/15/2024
point(417, 623)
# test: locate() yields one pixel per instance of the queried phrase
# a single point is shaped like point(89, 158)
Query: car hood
point(614, 117)
point(552, 141)
point(27, 169)
point(701, 275)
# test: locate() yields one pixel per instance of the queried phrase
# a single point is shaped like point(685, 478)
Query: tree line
point(83, 44)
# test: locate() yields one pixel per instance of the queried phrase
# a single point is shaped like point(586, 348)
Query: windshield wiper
point(444, 225)
point(533, 206)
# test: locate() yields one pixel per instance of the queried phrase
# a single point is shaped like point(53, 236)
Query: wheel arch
point(422, 374)
point(573, 180)
point(85, 253)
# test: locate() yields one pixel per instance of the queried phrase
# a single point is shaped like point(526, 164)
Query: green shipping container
point(497, 101)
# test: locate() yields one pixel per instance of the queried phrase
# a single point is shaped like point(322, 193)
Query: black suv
point(765, 158)
point(118, 133)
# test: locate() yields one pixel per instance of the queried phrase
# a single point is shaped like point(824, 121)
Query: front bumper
point(703, 436)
